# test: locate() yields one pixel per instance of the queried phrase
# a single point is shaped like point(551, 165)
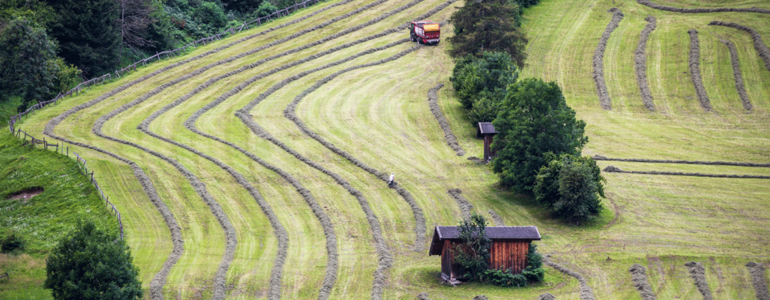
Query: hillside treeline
point(49, 46)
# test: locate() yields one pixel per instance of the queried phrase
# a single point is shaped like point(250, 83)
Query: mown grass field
point(380, 115)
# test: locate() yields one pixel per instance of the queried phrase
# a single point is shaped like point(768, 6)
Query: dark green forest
point(48, 47)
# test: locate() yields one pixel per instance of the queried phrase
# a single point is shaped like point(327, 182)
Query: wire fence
point(160, 56)
point(82, 167)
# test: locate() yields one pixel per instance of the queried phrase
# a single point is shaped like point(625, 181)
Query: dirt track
point(640, 64)
point(737, 74)
point(601, 85)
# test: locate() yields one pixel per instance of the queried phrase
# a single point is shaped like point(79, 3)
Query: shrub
point(264, 9)
point(91, 264)
point(534, 119)
point(211, 14)
point(505, 278)
point(12, 242)
point(472, 253)
point(570, 187)
point(534, 271)
point(481, 83)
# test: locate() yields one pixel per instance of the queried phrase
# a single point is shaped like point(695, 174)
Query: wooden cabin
point(487, 131)
point(510, 245)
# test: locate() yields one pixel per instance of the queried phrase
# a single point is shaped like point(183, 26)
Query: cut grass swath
point(695, 74)
point(640, 64)
point(757, 272)
point(585, 291)
point(687, 162)
point(762, 49)
point(698, 275)
point(465, 206)
point(498, 220)
point(701, 10)
point(639, 277)
point(450, 137)
point(601, 85)
point(546, 296)
point(737, 74)
point(614, 169)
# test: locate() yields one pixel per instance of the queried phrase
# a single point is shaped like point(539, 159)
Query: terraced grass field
point(246, 199)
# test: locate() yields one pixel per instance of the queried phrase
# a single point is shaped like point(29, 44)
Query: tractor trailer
point(424, 32)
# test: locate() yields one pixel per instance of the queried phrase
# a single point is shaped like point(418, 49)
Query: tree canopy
point(570, 187)
point(91, 264)
point(488, 25)
point(27, 61)
point(88, 32)
point(534, 119)
point(480, 83)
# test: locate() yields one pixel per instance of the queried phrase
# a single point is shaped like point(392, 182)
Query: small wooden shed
point(487, 131)
point(510, 245)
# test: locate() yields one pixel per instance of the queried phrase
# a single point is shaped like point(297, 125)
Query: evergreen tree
point(91, 264)
point(27, 61)
point(88, 32)
point(488, 25)
point(534, 119)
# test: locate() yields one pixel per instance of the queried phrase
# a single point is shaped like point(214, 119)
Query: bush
point(472, 253)
point(91, 264)
point(534, 271)
point(505, 278)
point(533, 120)
point(570, 187)
point(480, 83)
point(67, 77)
point(12, 242)
point(264, 9)
point(212, 15)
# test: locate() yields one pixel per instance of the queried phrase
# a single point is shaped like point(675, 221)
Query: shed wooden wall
point(447, 259)
point(509, 255)
point(488, 139)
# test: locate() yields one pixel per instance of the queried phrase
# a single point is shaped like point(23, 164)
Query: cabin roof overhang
point(452, 233)
point(485, 128)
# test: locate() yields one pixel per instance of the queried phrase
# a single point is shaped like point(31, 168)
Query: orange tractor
point(424, 32)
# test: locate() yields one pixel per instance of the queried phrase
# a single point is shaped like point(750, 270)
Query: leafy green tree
point(211, 14)
point(27, 61)
point(570, 187)
point(91, 264)
point(481, 82)
point(88, 32)
point(243, 6)
point(265, 9)
point(487, 26)
point(526, 3)
point(472, 253)
point(534, 119)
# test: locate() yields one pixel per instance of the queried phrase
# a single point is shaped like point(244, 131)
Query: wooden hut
point(510, 245)
point(486, 131)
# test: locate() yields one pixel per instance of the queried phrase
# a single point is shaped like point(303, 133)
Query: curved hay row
point(451, 140)
point(737, 74)
point(498, 220)
point(385, 257)
point(585, 291)
point(639, 278)
point(289, 113)
point(546, 296)
point(613, 169)
point(601, 85)
point(697, 81)
point(757, 272)
point(465, 206)
point(687, 162)
point(701, 10)
point(762, 49)
point(640, 63)
point(219, 287)
point(698, 275)
point(159, 280)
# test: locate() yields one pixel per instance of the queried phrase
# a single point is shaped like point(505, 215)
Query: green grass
point(44, 219)
point(381, 116)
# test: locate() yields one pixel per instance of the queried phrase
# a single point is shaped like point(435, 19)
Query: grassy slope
point(380, 115)
point(44, 219)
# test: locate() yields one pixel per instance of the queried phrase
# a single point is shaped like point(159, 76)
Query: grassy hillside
point(380, 116)
point(42, 195)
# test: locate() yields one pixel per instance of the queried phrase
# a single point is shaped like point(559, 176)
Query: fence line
point(82, 167)
point(159, 56)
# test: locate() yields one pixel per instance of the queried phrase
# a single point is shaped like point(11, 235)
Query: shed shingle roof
point(486, 128)
point(442, 233)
